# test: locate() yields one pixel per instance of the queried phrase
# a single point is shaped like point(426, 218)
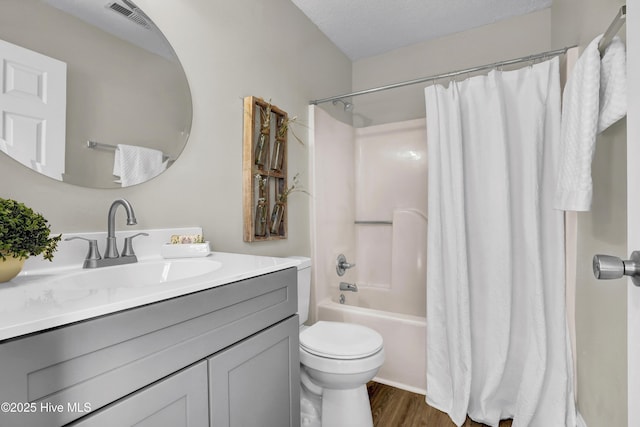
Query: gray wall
point(229, 49)
point(507, 39)
point(601, 307)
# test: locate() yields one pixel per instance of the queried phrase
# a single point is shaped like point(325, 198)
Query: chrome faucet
point(112, 249)
point(342, 265)
point(344, 286)
point(112, 257)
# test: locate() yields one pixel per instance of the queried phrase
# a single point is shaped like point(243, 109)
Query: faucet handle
point(93, 254)
point(342, 265)
point(128, 244)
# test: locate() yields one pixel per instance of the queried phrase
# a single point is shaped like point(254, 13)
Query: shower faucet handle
point(342, 265)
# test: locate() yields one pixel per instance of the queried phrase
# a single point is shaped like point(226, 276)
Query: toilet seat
point(346, 367)
point(337, 340)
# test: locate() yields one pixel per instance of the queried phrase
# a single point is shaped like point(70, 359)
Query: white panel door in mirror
point(33, 103)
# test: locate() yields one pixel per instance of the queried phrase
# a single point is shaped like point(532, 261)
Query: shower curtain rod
point(548, 54)
point(611, 31)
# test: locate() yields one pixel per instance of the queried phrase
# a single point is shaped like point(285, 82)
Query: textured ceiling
point(363, 28)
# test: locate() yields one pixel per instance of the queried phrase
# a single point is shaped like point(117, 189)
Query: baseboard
point(400, 386)
point(580, 421)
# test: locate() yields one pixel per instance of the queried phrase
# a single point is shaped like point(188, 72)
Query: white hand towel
point(135, 164)
point(613, 84)
point(594, 98)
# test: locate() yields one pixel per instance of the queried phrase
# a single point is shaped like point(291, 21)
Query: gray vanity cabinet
point(177, 401)
point(256, 382)
point(130, 365)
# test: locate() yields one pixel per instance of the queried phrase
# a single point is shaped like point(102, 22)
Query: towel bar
point(374, 222)
point(95, 144)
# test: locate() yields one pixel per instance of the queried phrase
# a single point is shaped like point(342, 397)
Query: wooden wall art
point(264, 168)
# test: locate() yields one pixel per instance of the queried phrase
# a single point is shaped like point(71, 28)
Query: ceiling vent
point(131, 12)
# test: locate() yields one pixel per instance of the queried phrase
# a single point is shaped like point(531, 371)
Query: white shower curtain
point(497, 343)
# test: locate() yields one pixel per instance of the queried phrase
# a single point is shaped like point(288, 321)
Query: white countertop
point(29, 303)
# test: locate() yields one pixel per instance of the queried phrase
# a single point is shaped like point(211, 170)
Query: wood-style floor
point(392, 407)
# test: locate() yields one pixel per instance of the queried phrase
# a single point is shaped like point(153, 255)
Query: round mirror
point(92, 92)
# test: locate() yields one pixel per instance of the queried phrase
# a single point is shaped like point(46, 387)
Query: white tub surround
point(377, 220)
point(39, 298)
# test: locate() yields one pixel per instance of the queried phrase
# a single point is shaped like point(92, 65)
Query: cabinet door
point(101, 360)
point(257, 381)
point(180, 400)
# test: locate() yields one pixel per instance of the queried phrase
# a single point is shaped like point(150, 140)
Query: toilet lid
point(339, 340)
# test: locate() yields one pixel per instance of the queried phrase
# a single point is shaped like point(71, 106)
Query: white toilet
point(336, 361)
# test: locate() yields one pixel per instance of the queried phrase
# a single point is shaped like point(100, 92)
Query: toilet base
point(346, 408)
point(310, 403)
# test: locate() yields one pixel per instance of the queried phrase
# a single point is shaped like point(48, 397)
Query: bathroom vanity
point(224, 354)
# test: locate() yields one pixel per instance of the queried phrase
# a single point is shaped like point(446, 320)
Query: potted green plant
point(23, 233)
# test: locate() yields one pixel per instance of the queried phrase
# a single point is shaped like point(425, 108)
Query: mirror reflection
point(81, 78)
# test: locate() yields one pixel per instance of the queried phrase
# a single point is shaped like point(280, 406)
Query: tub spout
point(344, 286)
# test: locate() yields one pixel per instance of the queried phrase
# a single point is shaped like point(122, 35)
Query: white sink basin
point(144, 273)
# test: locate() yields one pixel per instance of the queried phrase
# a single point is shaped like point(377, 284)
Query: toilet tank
point(304, 287)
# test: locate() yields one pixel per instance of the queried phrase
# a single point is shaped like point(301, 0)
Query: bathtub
point(404, 338)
